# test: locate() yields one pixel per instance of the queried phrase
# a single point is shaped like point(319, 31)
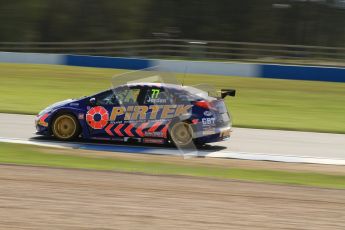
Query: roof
point(150, 84)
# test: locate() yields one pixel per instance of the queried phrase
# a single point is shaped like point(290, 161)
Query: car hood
point(56, 105)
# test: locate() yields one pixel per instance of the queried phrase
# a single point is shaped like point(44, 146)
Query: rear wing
point(227, 92)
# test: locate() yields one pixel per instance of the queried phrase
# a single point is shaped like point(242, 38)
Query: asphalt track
point(251, 144)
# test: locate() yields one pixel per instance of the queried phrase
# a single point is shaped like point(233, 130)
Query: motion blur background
point(303, 22)
point(228, 29)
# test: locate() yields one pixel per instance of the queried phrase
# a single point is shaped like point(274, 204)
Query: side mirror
point(92, 101)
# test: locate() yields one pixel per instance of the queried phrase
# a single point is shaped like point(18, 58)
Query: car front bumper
point(41, 124)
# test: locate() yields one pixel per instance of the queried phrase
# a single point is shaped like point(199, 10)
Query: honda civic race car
point(141, 112)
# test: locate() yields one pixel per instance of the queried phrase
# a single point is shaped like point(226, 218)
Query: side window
point(118, 96)
point(127, 95)
point(157, 96)
point(184, 97)
point(106, 98)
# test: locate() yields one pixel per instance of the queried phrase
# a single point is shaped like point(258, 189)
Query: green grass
point(260, 103)
point(29, 155)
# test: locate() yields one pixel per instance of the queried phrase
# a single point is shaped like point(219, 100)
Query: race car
point(141, 112)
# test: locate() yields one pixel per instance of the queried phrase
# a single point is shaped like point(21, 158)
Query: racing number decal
point(97, 117)
point(155, 93)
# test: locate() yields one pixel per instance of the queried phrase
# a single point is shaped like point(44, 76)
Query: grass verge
point(260, 103)
point(30, 155)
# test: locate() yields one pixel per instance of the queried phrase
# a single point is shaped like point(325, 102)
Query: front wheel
point(181, 134)
point(65, 127)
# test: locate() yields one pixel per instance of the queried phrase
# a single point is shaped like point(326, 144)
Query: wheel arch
point(62, 111)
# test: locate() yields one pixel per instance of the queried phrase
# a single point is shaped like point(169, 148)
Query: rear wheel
point(65, 127)
point(181, 134)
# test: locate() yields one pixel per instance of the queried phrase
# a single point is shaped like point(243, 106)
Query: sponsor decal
point(140, 129)
point(97, 117)
point(165, 130)
point(128, 130)
point(101, 138)
point(108, 130)
point(81, 116)
point(153, 141)
point(154, 127)
point(128, 139)
point(209, 131)
point(117, 139)
point(131, 121)
point(208, 121)
point(146, 129)
point(117, 130)
point(154, 134)
point(152, 112)
point(208, 113)
point(74, 104)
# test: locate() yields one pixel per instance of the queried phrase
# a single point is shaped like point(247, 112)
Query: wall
point(314, 73)
point(107, 62)
point(33, 58)
point(213, 68)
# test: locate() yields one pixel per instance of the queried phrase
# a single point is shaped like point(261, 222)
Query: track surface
point(43, 198)
point(46, 198)
point(247, 141)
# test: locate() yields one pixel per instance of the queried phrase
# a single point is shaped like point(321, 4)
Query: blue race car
point(141, 112)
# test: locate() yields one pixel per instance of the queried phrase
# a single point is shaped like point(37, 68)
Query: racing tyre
point(181, 134)
point(65, 127)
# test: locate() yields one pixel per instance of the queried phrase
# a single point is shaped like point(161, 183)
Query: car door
point(106, 117)
point(161, 108)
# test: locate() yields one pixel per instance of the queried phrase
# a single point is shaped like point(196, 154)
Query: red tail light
point(203, 104)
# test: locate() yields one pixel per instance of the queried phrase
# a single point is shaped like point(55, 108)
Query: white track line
point(215, 154)
point(28, 142)
point(276, 157)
